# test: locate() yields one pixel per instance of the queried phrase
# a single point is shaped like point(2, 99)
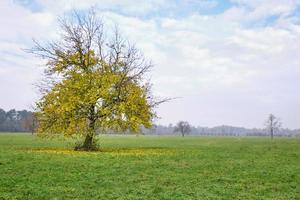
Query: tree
point(2, 116)
point(273, 124)
point(92, 82)
point(29, 122)
point(12, 119)
point(183, 127)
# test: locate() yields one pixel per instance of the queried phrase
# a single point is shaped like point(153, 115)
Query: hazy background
point(231, 62)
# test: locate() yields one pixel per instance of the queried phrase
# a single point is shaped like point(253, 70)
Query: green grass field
point(150, 167)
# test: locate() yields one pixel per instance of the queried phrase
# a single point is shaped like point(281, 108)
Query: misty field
point(150, 167)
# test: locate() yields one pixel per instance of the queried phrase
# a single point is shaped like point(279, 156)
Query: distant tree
point(183, 127)
point(100, 82)
point(272, 124)
point(2, 116)
point(12, 115)
point(12, 120)
point(29, 122)
point(153, 129)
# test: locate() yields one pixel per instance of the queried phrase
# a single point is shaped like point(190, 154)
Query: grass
point(150, 167)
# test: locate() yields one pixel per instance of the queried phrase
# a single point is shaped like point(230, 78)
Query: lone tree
point(272, 124)
point(183, 127)
point(92, 82)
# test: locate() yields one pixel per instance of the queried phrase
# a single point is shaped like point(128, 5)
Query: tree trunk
point(88, 142)
point(272, 133)
point(33, 125)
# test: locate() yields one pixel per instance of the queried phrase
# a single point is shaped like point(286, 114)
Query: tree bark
point(88, 142)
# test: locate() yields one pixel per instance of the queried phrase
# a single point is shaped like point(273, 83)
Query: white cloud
point(224, 71)
point(124, 6)
point(229, 70)
point(18, 22)
point(260, 9)
point(18, 70)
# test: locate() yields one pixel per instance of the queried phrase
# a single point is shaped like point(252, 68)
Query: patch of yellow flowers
point(113, 152)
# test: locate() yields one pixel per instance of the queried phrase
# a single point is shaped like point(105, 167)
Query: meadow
point(150, 167)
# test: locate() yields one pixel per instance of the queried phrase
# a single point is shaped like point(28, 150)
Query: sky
point(227, 62)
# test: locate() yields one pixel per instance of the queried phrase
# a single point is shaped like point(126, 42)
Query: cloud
point(125, 6)
point(225, 69)
point(261, 11)
point(18, 22)
point(220, 70)
point(18, 70)
point(146, 8)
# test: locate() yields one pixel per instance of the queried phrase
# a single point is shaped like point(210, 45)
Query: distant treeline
point(16, 121)
point(24, 121)
point(222, 131)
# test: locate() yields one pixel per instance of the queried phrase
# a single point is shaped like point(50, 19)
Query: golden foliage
point(118, 102)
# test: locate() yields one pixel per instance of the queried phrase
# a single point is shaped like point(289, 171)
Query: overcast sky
point(230, 61)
